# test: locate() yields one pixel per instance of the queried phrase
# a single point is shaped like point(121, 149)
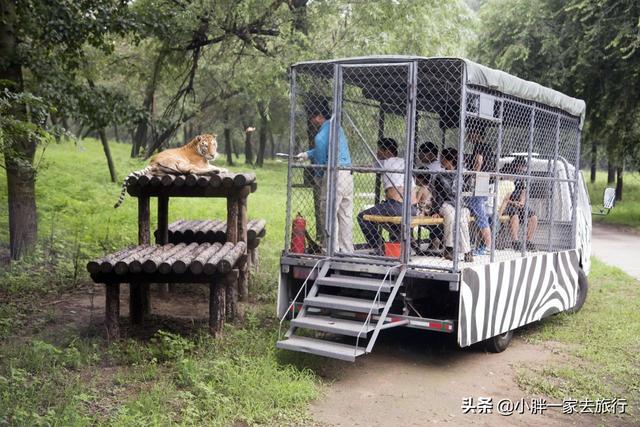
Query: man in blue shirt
point(319, 116)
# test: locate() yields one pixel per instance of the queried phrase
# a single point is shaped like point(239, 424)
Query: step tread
point(335, 301)
point(333, 325)
point(363, 283)
point(321, 347)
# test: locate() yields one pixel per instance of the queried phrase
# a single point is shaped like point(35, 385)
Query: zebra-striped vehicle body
point(518, 147)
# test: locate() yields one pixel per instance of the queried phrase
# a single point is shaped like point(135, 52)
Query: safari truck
point(505, 240)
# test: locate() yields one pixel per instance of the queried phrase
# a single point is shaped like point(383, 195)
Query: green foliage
point(625, 212)
point(584, 48)
point(601, 339)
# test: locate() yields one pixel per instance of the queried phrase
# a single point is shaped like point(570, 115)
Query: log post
point(163, 233)
point(216, 306)
point(243, 265)
point(139, 305)
point(112, 311)
point(231, 302)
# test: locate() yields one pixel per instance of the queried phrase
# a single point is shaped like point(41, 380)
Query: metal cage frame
point(432, 88)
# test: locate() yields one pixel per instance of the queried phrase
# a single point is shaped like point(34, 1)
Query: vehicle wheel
point(499, 343)
point(583, 289)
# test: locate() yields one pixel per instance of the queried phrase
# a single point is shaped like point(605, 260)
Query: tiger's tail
point(123, 191)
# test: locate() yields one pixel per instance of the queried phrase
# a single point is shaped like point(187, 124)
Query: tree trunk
point(611, 172)
point(262, 139)
point(594, 160)
point(272, 141)
point(140, 136)
point(116, 135)
point(248, 145)
point(107, 153)
point(620, 173)
point(19, 152)
point(185, 133)
point(227, 139)
point(300, 21)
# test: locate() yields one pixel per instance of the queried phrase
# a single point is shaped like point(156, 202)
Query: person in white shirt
point(393, 183)
point(428, 161)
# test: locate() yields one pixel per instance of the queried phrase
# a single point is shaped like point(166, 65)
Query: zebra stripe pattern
point(502, 296)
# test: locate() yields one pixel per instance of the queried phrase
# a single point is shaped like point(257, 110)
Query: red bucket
point(392, 249)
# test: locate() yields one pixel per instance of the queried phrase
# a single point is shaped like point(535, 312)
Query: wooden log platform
point(211, 231)
point(189, 185)
point(213, 263)
point(198, 263)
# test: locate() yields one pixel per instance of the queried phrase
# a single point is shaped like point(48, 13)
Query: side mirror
point(609, 198)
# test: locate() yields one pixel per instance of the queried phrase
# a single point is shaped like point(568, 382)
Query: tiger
point(193, 157)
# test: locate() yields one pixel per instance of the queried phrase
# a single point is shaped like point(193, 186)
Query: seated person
point(424, 196)
point(514, 207)
point(445, 190)
point(428, 157)
point(393, 184)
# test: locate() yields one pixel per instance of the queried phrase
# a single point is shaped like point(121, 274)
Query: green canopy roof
point(483, 76)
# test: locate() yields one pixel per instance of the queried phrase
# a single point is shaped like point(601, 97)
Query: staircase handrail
point(293, 302)
point(375, 299)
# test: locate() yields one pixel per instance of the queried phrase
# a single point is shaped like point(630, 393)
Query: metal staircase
point(326, 309)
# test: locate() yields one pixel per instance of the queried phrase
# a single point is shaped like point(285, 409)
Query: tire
point(583, 290)
point(499, 343)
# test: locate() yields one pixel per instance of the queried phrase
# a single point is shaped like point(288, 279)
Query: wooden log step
point(167, 180)
point(230, 258)
point(105, 264)
point(151, 263)
point(242, 179)
point(122, 266)
point(135, 266)
point(211, 265)
point(196, 261)
point(197, 265)
point(144, 180)
point(191, 180)
point(256, 228)
point(166, 266)
point(211, 231)
point(183, 261)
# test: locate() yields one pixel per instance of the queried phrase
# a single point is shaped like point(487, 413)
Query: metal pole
point(412, 87)
point(381, 117)
point(528, 186)
point(574, 210)
point(459, 175)
point(292, 141)
point(496, 186)
point(332, 171)
point(553, 183)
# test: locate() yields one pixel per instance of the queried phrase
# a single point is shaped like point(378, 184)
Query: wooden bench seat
point(415, 220)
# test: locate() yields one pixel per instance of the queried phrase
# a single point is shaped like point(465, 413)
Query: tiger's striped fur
point(192, 157)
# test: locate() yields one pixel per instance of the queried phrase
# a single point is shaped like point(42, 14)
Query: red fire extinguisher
point(298, 229)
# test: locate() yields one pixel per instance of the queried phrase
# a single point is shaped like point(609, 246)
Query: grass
point(627, 211)
point(599, 345)
point(54, 374)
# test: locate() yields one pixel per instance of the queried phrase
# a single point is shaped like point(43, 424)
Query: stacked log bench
point(215, 264)
point(220, 262)
point(214, 231)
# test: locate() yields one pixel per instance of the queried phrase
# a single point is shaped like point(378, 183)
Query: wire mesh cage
point(404, 160)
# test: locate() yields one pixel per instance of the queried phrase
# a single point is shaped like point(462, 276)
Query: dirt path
point(415, 380)
point(619, 246)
